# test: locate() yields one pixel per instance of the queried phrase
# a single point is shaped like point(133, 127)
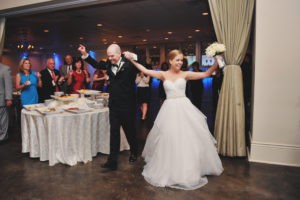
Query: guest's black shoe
point(132, 158)
point(109, 166)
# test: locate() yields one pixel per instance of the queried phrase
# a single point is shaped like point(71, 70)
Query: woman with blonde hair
point(180, 150)
point(27, 81)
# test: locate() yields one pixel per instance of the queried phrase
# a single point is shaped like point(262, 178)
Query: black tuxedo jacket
point(122, 84)
point(47, 88)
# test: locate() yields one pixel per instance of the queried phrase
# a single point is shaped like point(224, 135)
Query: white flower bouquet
point(216, 49)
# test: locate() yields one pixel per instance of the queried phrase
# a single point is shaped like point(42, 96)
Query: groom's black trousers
point(126, 118)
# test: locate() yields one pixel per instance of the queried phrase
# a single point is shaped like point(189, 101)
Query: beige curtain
point(232, 21)
point(2, 33)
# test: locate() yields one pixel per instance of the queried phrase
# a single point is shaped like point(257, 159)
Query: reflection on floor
point(27, 178)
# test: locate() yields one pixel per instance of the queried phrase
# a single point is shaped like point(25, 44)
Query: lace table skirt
point(65, 137)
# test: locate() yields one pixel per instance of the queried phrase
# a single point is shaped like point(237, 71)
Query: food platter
point(64, 98)
point(32, 107)
point(77, 110)
point(105, 94)
point(88, 92)
point(48, 111)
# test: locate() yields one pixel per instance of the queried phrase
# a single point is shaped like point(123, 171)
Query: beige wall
point(6, 4)
point(276, 103)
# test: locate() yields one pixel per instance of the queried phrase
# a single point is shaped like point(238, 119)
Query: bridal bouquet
point(216, 49)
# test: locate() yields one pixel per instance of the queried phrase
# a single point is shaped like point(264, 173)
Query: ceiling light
point(144, 40)
point(197, 30)
point(170, 32)
point(104, 40)
point(190, 36)
point(166, 38)
point(81, 38)
point(205, 13)
point(120, 36)
point(46, 30)
point(147, 30)
point(99, 25)
point(154, 47)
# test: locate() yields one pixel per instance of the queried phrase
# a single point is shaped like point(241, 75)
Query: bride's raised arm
point(149, 72)
point(199, 75)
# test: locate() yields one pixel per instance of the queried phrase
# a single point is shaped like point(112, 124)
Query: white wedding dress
point(180, 149)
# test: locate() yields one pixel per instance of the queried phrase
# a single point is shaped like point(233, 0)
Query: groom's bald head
point(113, 53)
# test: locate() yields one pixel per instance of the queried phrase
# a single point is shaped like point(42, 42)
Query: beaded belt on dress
point(175, 97)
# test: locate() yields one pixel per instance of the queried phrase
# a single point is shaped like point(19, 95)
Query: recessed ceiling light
point(120, 36)
point(166, 38)
point(154, 47)
point(205, 13)
point(114, 42)
point(46, 30)
point(197, 30)
point(81, 38)
point(144, 40)
point(99, 25)
point(170, 32)
point(190, 36)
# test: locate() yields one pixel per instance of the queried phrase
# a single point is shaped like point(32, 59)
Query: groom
point(122, 101)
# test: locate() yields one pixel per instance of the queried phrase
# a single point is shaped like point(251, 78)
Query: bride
point(179, 149)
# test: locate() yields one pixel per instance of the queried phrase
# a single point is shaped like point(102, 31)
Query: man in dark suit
point(49, 77)
point(122, 101)
point(64, 72)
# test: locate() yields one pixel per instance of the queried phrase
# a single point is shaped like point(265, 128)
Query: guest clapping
point(27, 81)
point(50, 79)
point(64, 72)
point(79, 77)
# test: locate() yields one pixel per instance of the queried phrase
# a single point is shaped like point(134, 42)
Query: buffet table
point(67, 137)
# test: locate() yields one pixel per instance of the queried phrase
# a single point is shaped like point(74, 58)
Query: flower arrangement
point(215, 49)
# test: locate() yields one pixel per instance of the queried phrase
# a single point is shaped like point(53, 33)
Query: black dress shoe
point(132, 158)
point(109, 166)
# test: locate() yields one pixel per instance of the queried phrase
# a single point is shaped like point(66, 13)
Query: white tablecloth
point(66, 137)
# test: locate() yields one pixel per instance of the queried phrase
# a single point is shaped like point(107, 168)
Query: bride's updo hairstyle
point(172, 54)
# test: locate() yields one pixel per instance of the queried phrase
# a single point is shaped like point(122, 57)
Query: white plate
point(89, 92)
point(32, 107)
point(49, 111)
point(80, 110)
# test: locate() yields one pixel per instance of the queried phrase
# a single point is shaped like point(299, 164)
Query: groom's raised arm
point(86, 57)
